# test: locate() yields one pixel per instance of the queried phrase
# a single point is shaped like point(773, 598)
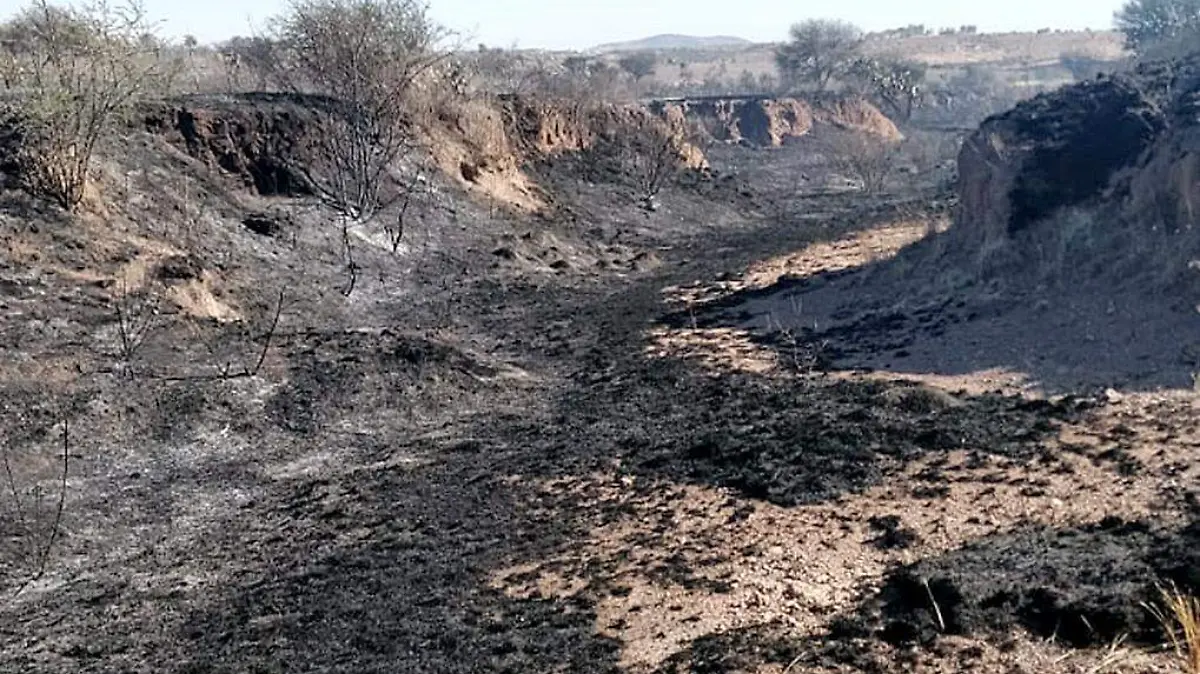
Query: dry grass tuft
point(1179, 614)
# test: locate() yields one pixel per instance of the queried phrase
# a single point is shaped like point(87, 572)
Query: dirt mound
point(768, 122)
point(1091, 174)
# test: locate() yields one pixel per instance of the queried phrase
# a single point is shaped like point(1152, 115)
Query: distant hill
point(662, 42)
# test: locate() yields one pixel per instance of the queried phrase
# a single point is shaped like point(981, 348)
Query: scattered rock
point(892, 535)
point(263, 224)
point(179, 268)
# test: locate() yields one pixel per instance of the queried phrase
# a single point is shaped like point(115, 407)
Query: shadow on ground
point(928, 311)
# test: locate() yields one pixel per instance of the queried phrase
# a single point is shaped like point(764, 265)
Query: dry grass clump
point(1179, 614)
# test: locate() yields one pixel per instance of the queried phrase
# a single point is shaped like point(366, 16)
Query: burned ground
point(540, 443)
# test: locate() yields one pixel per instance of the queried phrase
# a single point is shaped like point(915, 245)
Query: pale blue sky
point(584, 23)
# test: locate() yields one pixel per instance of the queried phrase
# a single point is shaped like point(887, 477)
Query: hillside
point(673, 41)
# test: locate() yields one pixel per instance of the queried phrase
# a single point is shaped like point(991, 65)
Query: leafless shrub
point(367, 56)
point(868, 160)
point(33, 521)
point(650, 154)
point(655, 162)
point(73, 73)
point(137, 315)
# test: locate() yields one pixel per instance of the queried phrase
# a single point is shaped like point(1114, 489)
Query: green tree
point(818, 51)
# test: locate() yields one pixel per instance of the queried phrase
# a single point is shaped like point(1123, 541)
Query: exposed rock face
point(548, 127)
point(267, 140)
point(767, 122)
point(1122, 148)
point(486, 144)
point(1059, 149)
point(262, 140)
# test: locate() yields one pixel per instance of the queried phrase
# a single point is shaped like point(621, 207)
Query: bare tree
point(74, 72)
point(868, 160)
point(653, 159)
point(367, 57)
point(818, 51)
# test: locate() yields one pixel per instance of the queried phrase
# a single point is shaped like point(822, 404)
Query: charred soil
point(536, 441)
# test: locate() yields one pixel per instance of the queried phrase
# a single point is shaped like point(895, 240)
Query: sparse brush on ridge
point(369, 56)
point(1179, 615)
point(70, 75)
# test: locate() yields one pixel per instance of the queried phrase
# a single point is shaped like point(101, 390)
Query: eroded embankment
point(772, 122)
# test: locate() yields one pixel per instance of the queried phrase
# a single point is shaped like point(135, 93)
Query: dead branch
point(226, 372)
point(43, 555)
point(395, 234)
